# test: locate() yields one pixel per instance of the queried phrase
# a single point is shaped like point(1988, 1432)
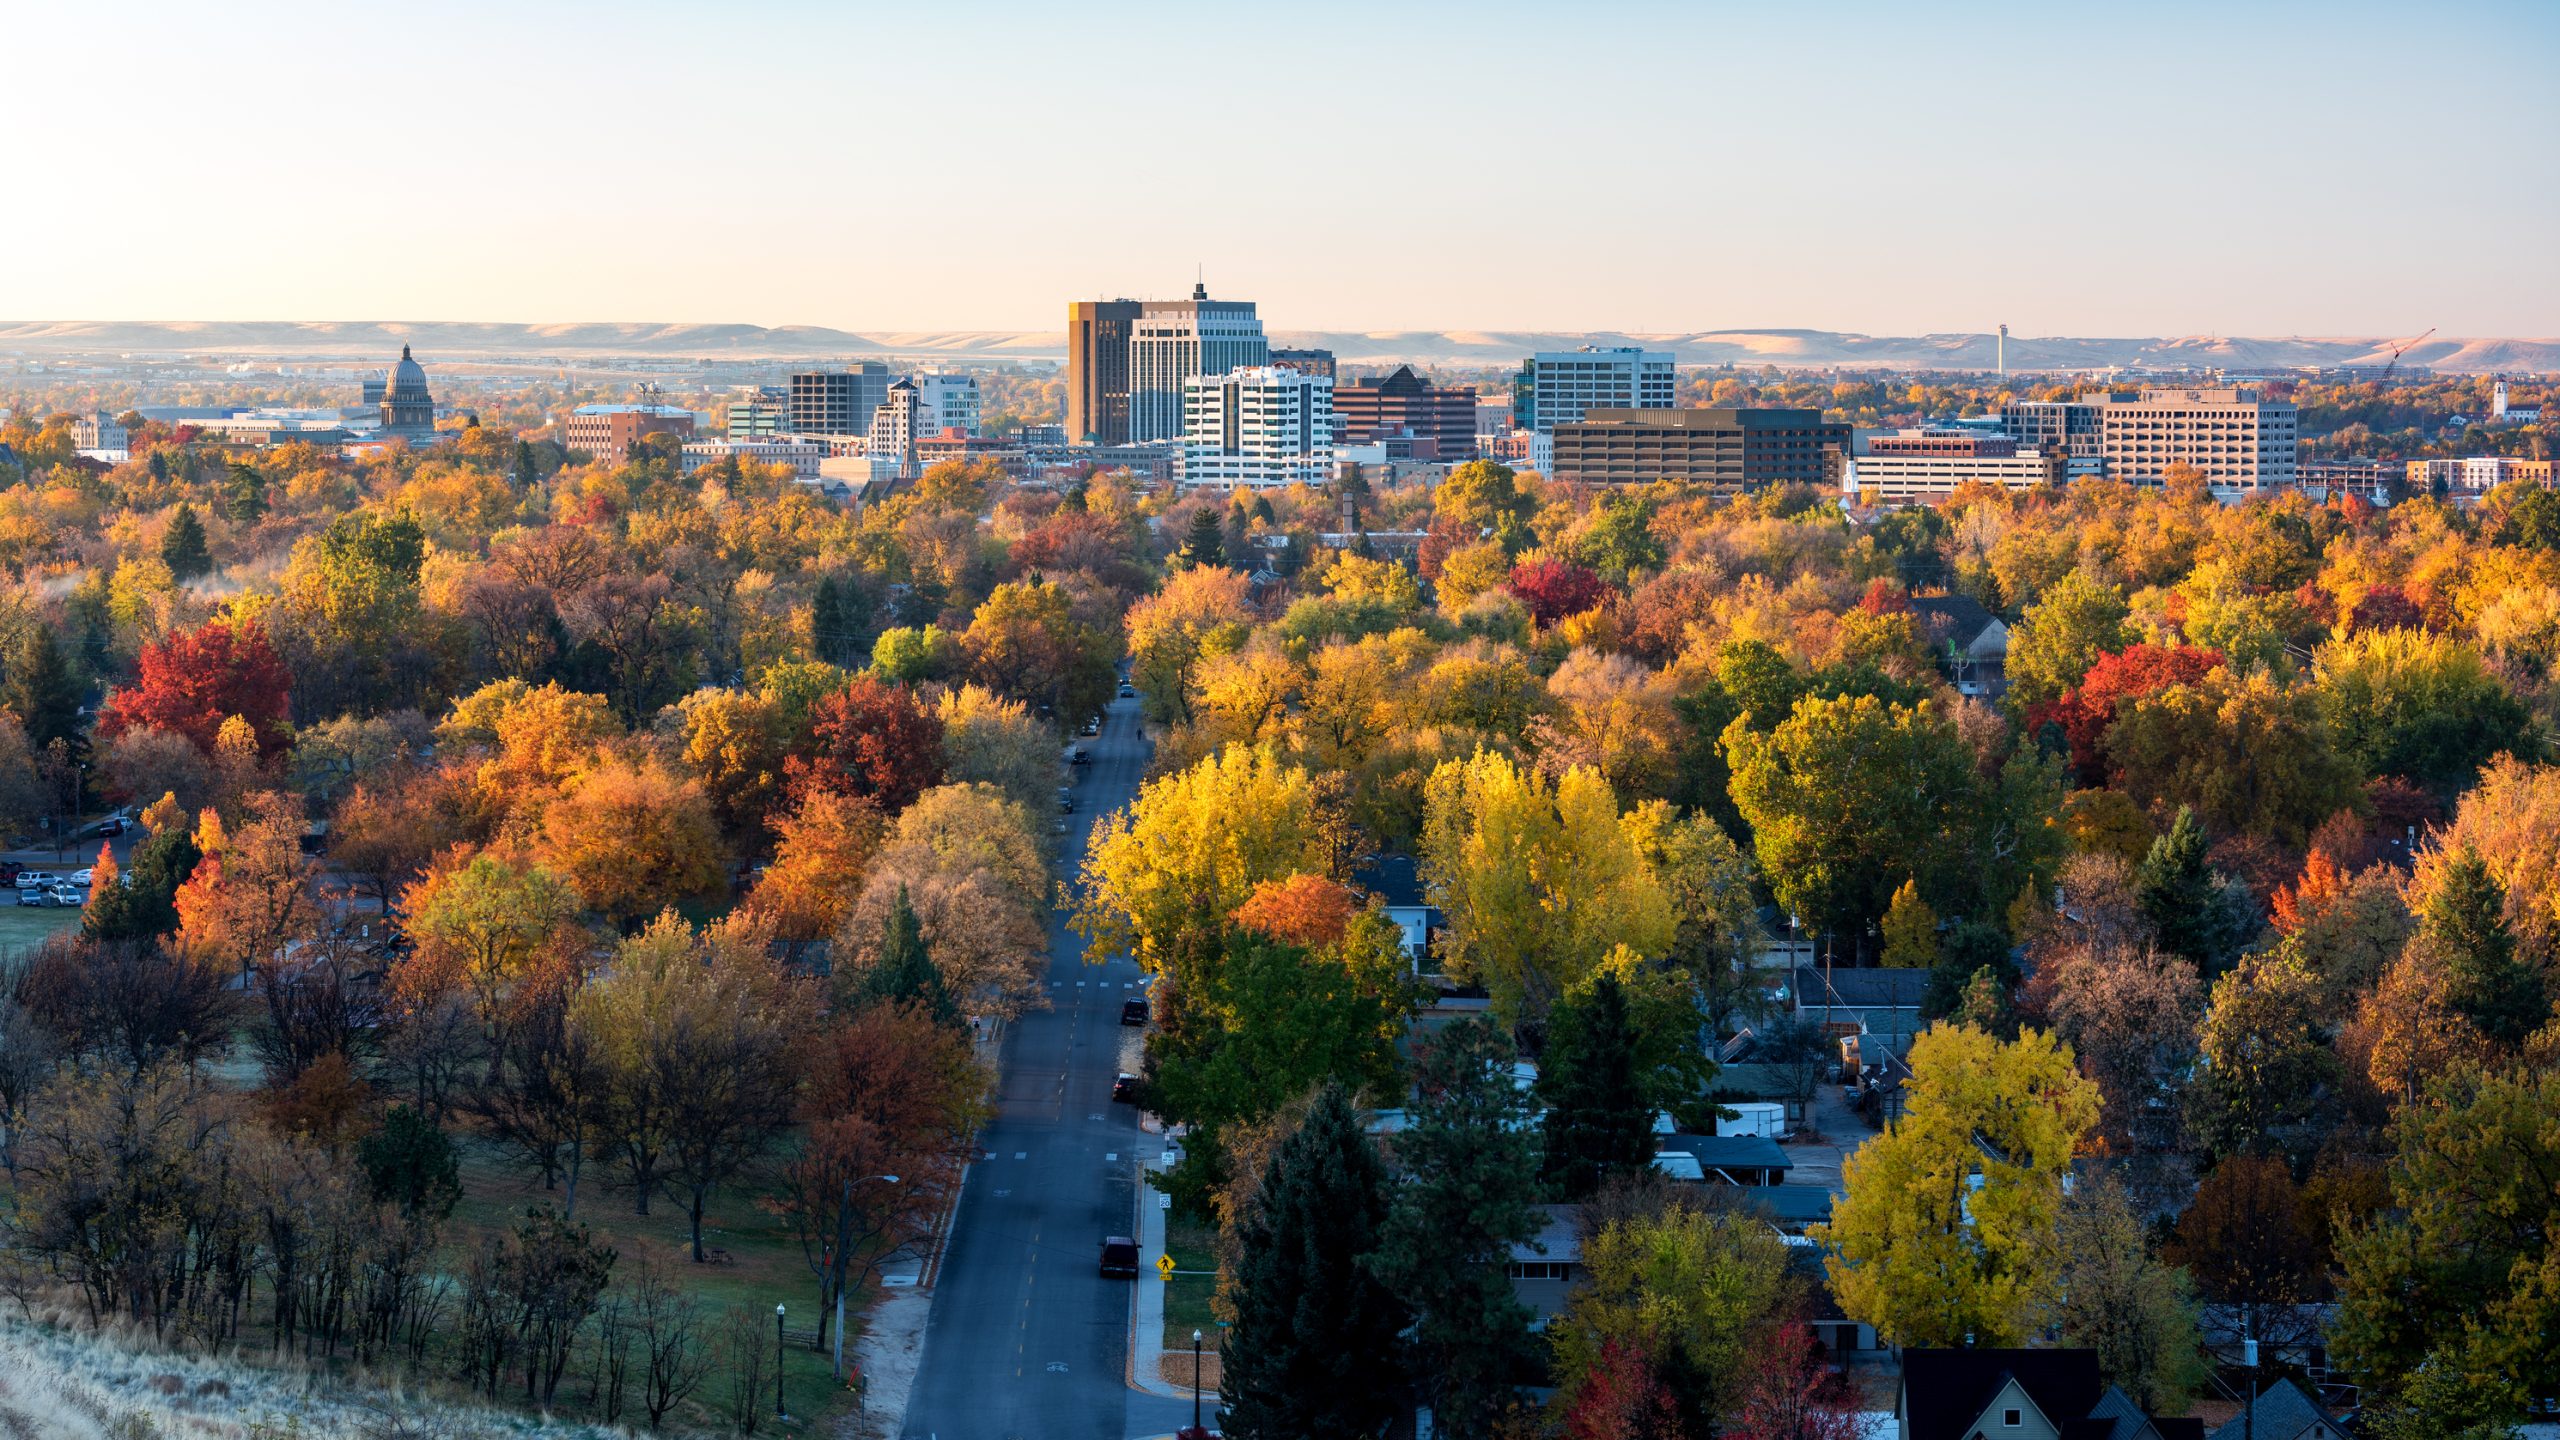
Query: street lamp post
point(1195, 1381)
point(778, 1413)
point(844, 1244)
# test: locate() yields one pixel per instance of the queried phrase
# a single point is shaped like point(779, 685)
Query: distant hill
point(456, 340)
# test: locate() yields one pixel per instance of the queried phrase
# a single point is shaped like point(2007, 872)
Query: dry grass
point(59, 1383)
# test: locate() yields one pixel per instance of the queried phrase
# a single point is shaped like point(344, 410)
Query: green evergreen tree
point(1313, 1347)
point(412, 1162)
point(2184, 899)
point(160, 465)
point(906, 972)
point(244, 492)
point(182, 546)
point(40, 688)
point(1470, 1160)
point(2464, 928)
point(1206, 543)
point(1598, 1124)
point(143, 903)
point(528, 468)
point(840, 619)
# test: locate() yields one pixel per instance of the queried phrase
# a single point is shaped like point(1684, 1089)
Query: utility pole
point(777, 1365)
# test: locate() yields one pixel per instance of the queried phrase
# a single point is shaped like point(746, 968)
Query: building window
point(2011, 1419)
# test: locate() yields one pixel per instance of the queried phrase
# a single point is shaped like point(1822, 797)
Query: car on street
point(1124, 1089)
point(33, 897)
point(84, 877)
point(1127, 690)
point(1076, 755)
point(1133, 1011)
point(1093, 726)
point(65, 897)
point(35, 879)
point(1119, 1258)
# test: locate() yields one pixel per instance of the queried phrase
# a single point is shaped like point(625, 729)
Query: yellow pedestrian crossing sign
point(1164, 1266)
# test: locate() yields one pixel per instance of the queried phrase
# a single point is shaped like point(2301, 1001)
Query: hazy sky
point(2145, 169)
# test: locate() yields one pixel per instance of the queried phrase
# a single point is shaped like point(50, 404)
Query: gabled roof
point(1855, 987)
point(2283, 1413)
point(1749, 1152)
point(1945, 1391)
point(1559, 1237)
point(1956, 619)
point(1396, 879)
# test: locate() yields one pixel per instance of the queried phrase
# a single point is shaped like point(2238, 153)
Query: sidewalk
point(1146, 1347)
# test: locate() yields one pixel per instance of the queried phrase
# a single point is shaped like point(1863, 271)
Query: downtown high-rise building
point(1127, 362)
point(838, 402)
point(1257, 425)
point(1556, 387)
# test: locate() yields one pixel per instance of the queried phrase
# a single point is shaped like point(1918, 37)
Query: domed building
point(408, 411)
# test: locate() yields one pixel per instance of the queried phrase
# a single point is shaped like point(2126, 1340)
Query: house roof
point(1945, 1391)
point(1396, 879)
point(1857, 988)
point(1785, 1204)
point(1952, 619)
point(2283, 1413)
point(2119, 1417)
point(1559, 1237)
point(1753, 1152)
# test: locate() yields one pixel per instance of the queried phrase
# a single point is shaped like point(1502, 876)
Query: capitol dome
point(408, 378)
point(408, 411)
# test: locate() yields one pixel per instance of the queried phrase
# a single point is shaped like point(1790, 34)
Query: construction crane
point(2403, 350)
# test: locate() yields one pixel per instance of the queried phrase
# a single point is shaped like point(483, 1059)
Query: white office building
point(1257, 425)
point(1555, 387)
point(948, 402)
point(895, 428)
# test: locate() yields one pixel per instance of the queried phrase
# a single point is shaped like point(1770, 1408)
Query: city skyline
point(1648, 169)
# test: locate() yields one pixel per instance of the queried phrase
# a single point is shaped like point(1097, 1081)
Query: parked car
point(1093, 726)
point(1133, 1011)
point(1059, 826)
point(65, 897)
point(1076, 756)
point(33, 897)
point(35, 879)
point(84, 877)
point(1119, 1258)
point(1124, 1089)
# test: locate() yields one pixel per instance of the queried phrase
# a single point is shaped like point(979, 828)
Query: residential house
point(2019, 1395)
point(2282, 1412)
point(1971, 644)
point(1875, 1011)
point(1395, 881)
point(1722, 1159)
point(1545, 1267)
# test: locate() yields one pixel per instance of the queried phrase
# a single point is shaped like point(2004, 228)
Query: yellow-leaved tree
point(1161, 876)
point(1946, 1227)
point(1540, 882)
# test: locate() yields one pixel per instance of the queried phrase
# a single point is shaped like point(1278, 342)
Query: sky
point(1889, 169)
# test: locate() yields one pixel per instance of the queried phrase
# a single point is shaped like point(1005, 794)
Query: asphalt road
point(1027, 1341)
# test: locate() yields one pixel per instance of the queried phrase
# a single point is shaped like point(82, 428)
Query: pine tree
point(906, 972)
point(160, 465)
point(1312, 1350)
point(1471, 1166)
point(2464, 928)
point(840, 619)
point(183, 548)
point(2182, 896)
point(143, 902)
point(1910, 930)
point(1598, 1124)
point(527, 468)
point(1206, 543)
point(244, 492)
point(42, 692)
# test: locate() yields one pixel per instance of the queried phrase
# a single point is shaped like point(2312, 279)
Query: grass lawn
point(23, 927)
point(1187, 1296)
point(755, 1263)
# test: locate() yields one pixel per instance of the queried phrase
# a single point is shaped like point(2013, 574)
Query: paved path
point(1027, 1341)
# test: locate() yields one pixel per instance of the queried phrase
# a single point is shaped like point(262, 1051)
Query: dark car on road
point(1124, 1090)
point(1119, 1258)
point(1133, 1011)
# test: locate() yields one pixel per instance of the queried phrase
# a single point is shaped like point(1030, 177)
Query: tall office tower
point(896, 424)
point(838, 402)
point(949, 402)
point(1257, 425)
point(1098, 370)
point(1555, 387)
point(2235, 439)
point(1173, 340)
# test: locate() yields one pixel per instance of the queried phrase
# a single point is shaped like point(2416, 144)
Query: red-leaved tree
point(2385, 607)
point(1553, 589)
point(195, 679)
point(2089, 709)
point(873, 741)
point(1623, 1399)
point(1792, 1394)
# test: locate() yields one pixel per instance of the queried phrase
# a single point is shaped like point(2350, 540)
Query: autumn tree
point(1790, 1392)
point(193, 680)
point(485, 929)
point(1553, 588)
point(1941, 1232)
point(2265, 1061)
point(989, 740)
point(1198, 614)
point(1541, 881)
point(1697, 1290)
point(2244, 1241)
point(2248, 752)
point(632, 839)
point(822, 851)
point(2063, 633)
point(2427, 707)
point(873, 741)
point(1029, 643)
point(2112, 1296)
point(1910, 930)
